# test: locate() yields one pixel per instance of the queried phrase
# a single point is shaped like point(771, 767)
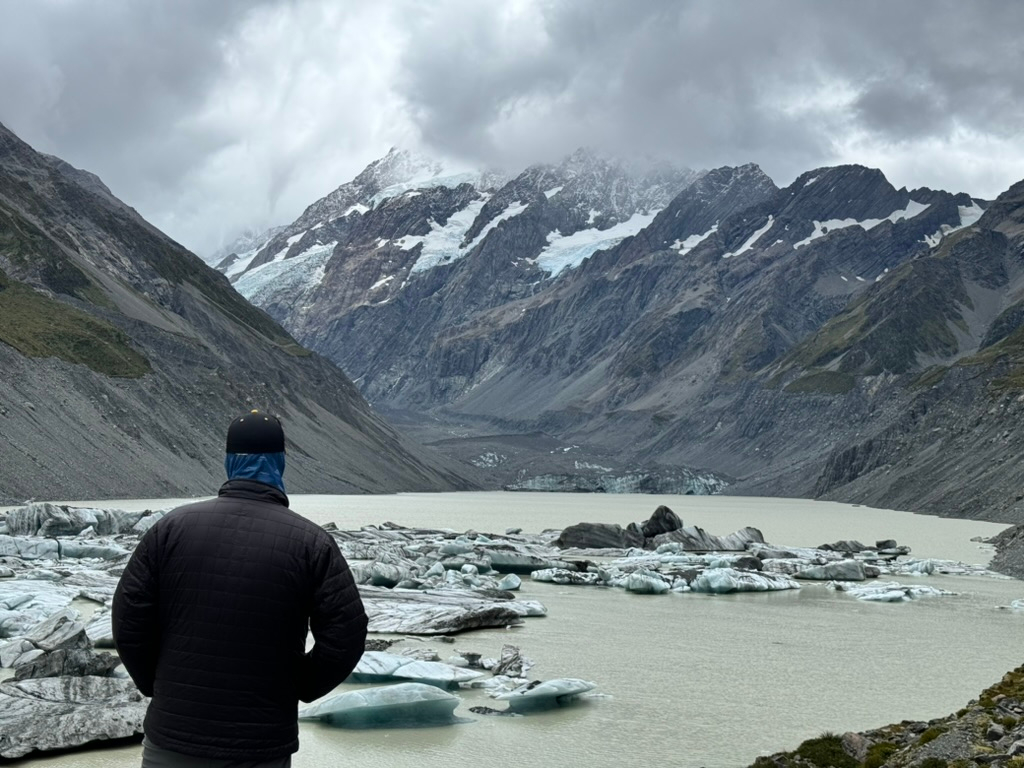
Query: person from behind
point(211, 615)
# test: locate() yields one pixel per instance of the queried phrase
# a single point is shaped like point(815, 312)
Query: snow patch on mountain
point(295, 277)
point(566, 252)
point(430, 176)
point(751, 240)
point(513, 209)
point(969, 214)
point(687, 245)
point(822, 228)
point(443, 244)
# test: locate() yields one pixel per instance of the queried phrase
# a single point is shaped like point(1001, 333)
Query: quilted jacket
point(210, 619)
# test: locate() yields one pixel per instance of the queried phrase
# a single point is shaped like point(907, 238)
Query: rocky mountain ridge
point(792, 340)
point(124, 357)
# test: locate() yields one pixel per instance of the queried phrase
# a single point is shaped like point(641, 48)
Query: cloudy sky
point(210, 116)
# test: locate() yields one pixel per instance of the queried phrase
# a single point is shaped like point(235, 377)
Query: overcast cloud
point(210, 117)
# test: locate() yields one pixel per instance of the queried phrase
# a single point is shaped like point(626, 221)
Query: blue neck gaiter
point(265, 468)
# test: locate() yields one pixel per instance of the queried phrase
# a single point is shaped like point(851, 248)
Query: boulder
point(600, 536)
point(663, 520)
point(404, 704)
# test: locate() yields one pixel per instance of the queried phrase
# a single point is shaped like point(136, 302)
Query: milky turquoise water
point(690, 680)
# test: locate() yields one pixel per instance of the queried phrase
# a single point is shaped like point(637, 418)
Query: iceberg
point(382, 667)
point(726, 580)
point(394, 706)
point(547, 695)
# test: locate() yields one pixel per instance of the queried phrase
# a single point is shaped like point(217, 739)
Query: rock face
point(812, 340)
point(147, 355)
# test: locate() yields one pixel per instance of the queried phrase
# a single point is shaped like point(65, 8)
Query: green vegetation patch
point(25, 245)
point(826, 751)
point(879, 753)
point(822, 383)
point(38, 326)
point(931, 735)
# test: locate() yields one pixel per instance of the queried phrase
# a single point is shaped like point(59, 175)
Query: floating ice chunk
point(888, 592)
point(546, 695)
point(395, 706)
point(645, 582)
point(725, 580)
point(563, 576)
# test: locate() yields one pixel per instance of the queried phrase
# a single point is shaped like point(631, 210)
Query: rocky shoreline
point(59, 567)
point(988, 731)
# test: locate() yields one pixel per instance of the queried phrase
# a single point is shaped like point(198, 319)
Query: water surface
point(691, 680)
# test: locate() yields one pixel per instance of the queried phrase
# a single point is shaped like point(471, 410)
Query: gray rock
point(995, 732)
point(64, 712)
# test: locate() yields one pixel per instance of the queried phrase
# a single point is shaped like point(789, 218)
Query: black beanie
point(255, 433)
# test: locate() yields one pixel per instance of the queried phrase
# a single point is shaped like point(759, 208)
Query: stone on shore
point(392, 706)
point(64, 712)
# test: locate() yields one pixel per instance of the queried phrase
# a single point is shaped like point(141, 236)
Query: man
point(211, 615)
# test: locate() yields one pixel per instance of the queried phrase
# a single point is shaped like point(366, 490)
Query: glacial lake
point(688, 680)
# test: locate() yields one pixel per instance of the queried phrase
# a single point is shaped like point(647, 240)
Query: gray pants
point(157, 757)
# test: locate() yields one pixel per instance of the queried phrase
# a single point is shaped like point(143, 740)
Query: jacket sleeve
point(338, 622)
point(135, 618)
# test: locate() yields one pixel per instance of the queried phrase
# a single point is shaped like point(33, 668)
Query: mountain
point(589, 318)
point(124, 357)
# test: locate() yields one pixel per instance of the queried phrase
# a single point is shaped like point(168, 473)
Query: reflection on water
point(691, 680)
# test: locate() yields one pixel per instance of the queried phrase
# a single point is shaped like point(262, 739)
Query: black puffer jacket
point(210, 619)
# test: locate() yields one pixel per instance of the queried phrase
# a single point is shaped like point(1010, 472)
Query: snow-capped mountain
point(658, 318)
